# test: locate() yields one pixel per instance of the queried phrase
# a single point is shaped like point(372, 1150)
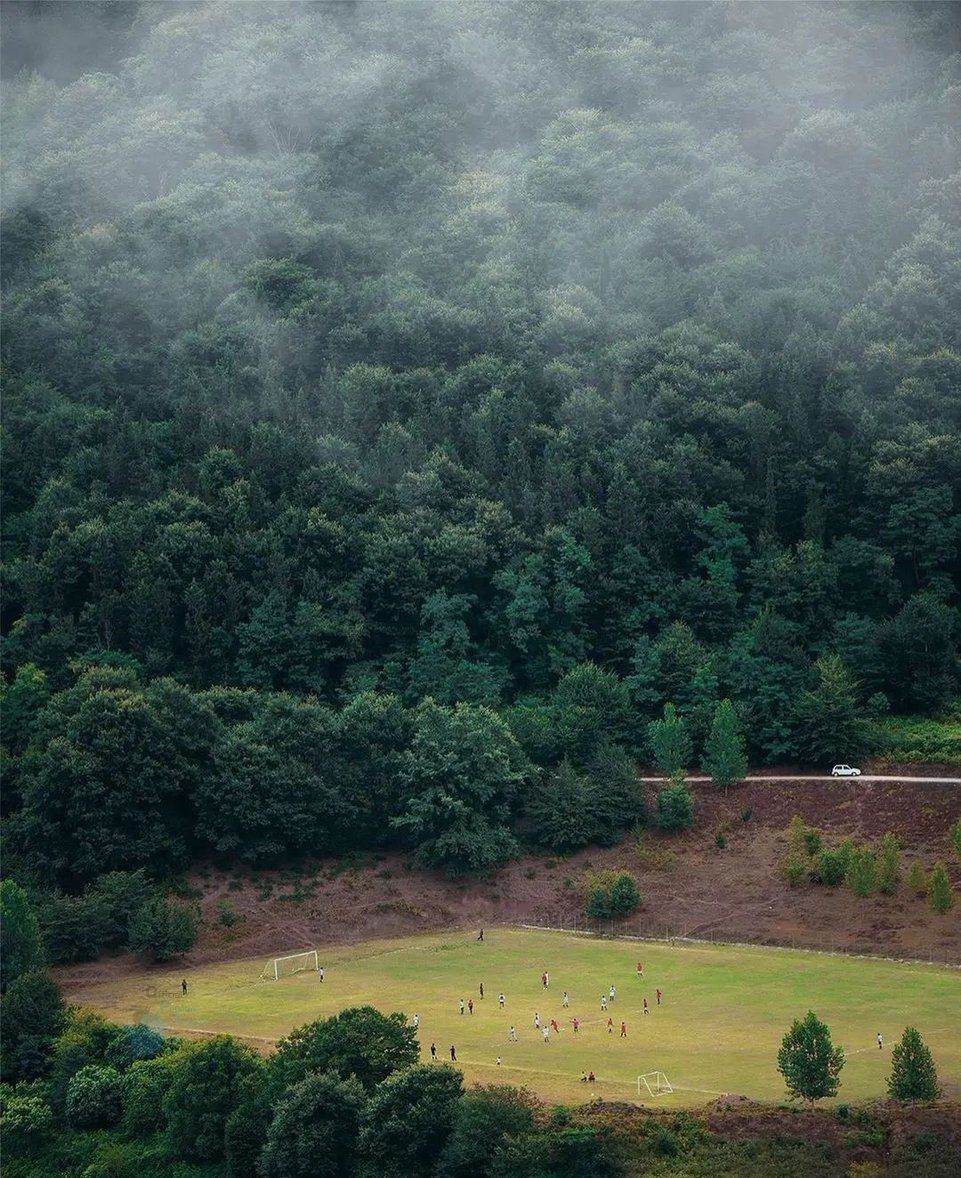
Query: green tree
point(409, 1119)
point(33, 1014)
point(206, 1085)
point(624, 894)
point(829, 721)
point(315, 1130)
point(670, 742)
point(889, 865)
point(21, 703)
point(809, 1061)
point(94, 1097)
point(913, 1076)
point(146, 1085)
point(359, 1042)
point(675, 807)
point(941, 891)
point(725, 755)
point(162, 930)
point(486, 1117)
point(85, 1041)
point(558, 812)
point(461, 775)
point(26, 1124)
point(954, 835)
point(917, 879)
point(20, 946)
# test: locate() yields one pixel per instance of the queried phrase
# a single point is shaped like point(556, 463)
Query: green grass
point(726, 1008)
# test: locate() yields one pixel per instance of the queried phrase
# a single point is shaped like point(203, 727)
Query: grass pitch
point(724, 1012)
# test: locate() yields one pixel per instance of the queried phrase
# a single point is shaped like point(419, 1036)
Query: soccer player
point(501, 1000)
point(613, 993)
point(546, 1032)
point(416, 1021)
point(482, 989)
point(453, 1053)
point(590, 1077)
point(547, 979)
point(640, 969)
point(512, 1034)
point(880, 1041)
point(183, 987)
point(554, 1027)
point(480, 935)
point(462, 1006)
point(583, 1077)
point(320, 973)
point(610, 1026)
point(537, 1020)
point(499, 1061)
point(575, 1023)
point(565, 1001)
point(646, 1011)
point(470, 1005)
point(659, 996)
point(433, 1050)
point(603, 1002)
point(623, 1030)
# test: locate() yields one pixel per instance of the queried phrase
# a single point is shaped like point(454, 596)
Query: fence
point(584, 926)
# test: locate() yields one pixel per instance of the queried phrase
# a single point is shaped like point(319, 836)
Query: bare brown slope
point(690, 887)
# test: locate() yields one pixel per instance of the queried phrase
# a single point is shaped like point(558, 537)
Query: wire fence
point(610, 929)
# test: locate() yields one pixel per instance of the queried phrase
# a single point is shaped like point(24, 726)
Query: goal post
point(653, 1084)
point(284, 967)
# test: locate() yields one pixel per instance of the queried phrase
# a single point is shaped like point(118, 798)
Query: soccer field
point(724, 1012)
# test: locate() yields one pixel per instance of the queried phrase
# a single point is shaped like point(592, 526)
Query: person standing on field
point(320, 973)
point(623, 1030)
point(183, 987)
point(603, 1002)
point(537, 1020)
point(462, 1006)
point(565, 1001)
point(546, 1032)
point(481, 991)
point(659, 996)
point(433, 1050)
point(554, 1027)
point(613, 993)
point(453, 1053)
point(512, 1034)
point(575, 1023)
point(470, 1005)
point(501, 1000)
point(880, 1042)
point(646, 1011)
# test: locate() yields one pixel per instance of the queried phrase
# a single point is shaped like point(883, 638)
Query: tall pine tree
point(725, 757)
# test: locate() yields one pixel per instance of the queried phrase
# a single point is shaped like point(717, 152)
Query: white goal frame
point(656, 1083)
point(273, 969)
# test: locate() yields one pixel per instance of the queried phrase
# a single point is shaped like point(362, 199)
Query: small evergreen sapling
point(912, 1069)
point(942, 894)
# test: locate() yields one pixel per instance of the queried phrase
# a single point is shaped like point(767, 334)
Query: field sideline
point(725, 1009)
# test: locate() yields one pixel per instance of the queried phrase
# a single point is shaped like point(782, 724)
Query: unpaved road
point(828, 777)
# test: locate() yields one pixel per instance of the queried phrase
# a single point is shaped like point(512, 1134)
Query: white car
point(845, 771)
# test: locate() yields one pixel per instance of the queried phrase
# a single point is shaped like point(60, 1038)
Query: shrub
point(720, 841)
point(942, 894)
point(917, 879)
point(610, 894)
point(675, 807)
point(832, 864)
point(861, 876)
point(135, 1043)
point(86, 1040)
point(94, 1097)
point(889, 865)
point(665, 1143)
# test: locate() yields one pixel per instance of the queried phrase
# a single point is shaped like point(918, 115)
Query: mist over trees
point(553, 363)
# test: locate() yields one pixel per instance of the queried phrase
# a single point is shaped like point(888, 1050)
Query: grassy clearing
point(725, 1009)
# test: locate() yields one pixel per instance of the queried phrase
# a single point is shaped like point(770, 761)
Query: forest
point(415, 416)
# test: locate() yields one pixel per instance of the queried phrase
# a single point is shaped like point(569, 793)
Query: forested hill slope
point(564, 359)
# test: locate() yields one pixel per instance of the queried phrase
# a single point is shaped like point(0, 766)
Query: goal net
point(283, 967)
point(653, 1084)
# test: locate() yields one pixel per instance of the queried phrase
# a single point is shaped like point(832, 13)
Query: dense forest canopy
point(403, 401)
